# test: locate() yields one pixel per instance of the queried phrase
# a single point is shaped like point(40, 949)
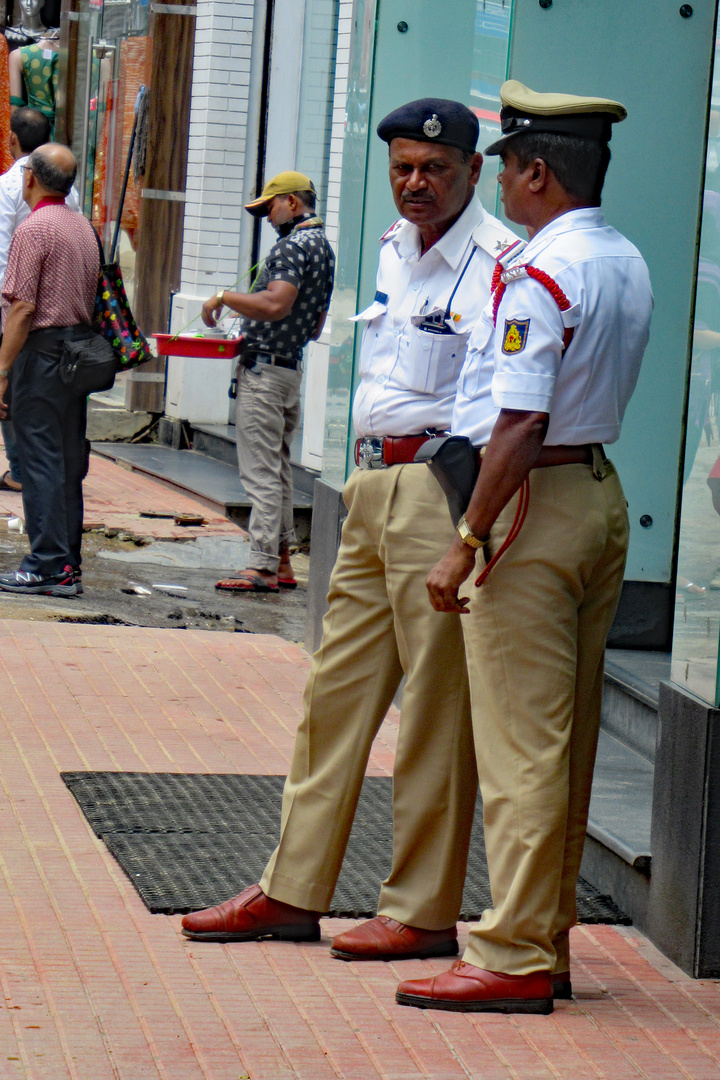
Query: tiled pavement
point(116, 497)
point(93, 987)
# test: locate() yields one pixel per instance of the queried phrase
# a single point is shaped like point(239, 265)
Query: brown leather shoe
point(465, 988)
point(251, 916)
point(386, 939)
point(562, 986)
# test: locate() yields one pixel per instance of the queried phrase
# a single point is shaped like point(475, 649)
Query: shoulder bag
point(114, 320)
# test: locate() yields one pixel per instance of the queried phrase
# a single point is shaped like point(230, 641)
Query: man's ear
point(539, 176)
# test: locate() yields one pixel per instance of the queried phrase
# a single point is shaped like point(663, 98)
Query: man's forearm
point(510, 454)
point(15, 332)
point(264, 306)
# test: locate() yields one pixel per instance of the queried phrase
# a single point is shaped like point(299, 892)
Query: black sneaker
point(77, 576)
point(23, 581)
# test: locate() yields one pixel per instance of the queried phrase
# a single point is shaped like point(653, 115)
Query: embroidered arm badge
point(515, 336)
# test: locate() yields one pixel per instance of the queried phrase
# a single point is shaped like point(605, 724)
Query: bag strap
point(101, 249)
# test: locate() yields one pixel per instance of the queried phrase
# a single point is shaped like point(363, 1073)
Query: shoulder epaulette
point(389, 233)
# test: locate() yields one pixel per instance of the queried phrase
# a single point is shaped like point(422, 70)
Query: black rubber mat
point(190, 841)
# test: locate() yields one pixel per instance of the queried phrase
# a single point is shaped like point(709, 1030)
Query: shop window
point(697, 607)
point(490, 58)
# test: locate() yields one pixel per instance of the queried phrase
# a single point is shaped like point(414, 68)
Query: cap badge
point(432, 127)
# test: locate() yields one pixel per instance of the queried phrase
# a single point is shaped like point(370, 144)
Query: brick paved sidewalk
point(93, 987)
point(116, 497)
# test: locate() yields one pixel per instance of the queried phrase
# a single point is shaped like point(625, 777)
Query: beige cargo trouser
point(267, 410)
point(535, 641)
point(380, 625)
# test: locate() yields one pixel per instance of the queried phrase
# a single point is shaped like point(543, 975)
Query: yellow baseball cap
point(285, 183)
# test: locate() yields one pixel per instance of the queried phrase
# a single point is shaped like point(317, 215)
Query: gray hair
point(54, 179)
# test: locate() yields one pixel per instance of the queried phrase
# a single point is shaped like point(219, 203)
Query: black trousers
point(50, 429)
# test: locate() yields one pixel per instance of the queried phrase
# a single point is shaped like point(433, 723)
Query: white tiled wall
point(216, 155)
point(220, 175)
point(197, 389)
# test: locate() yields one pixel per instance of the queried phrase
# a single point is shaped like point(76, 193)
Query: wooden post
point(162, 204)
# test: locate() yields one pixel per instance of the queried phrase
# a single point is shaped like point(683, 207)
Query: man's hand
point(3, 391)
point(210, 310)
point(446, 577)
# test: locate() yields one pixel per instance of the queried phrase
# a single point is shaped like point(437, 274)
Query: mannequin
point(31, 27)
point(33, 67)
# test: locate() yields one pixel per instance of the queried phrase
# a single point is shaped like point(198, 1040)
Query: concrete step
point(217, 441)
point(621, 802)
point(618, 852)
point(214, 482)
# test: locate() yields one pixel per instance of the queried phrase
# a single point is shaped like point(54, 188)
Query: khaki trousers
point(380, 625)
point(267, 411)
point(535, 641)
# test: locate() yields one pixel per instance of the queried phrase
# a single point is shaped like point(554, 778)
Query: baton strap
point(590, 454)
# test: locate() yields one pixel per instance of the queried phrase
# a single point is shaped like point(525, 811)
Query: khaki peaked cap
point(524, 111)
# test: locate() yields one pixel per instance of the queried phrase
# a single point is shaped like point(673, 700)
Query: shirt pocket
point(429, 363)
point(479, 361)
point(372, 317)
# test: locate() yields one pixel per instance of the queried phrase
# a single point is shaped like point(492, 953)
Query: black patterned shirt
point(306, 260)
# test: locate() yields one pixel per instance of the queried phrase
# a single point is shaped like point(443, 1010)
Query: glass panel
point(316, 93)
point(114, 57)
point(490, 61)
point(489, 67)
point(355, 148)
point(697, 608)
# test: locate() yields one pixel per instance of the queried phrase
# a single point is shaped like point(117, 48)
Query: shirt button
point(382, 379)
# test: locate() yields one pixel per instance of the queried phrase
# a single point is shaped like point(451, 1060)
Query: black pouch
point(87, 365)
point(455, 463)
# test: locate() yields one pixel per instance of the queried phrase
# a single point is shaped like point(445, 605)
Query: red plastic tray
point(191, 345)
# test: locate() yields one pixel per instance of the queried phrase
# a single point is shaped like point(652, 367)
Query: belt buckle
point(370, 453)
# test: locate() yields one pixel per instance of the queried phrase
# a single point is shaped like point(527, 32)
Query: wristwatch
point(220, 297)
point(5, 374)
point(468, 536)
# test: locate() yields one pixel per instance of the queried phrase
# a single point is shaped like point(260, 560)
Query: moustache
point(417, 199)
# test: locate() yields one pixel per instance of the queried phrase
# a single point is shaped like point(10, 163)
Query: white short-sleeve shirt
point(520, 362)
point(408, 377)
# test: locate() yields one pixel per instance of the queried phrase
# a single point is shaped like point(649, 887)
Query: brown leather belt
point(563, 455)
point(378, 452)
point(373, 452)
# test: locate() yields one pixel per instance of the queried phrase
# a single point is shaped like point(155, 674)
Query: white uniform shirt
point(14, 209)
point(407, 375)
point(521, 365)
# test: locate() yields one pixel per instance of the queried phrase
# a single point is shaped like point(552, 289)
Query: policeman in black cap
point(436, 264)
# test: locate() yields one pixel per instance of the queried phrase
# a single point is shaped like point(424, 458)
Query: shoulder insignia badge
point(432, 127)
point(515, 336)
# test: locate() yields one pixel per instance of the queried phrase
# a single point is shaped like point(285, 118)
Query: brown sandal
point(247, 581)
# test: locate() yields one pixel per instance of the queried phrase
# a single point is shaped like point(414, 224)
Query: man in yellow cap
point(285, 309)
point(563, 339)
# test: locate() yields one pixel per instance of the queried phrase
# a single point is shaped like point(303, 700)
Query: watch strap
point(468, 536)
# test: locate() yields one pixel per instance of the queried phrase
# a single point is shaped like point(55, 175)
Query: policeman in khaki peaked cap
point(563, 339)
point(435, 268)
